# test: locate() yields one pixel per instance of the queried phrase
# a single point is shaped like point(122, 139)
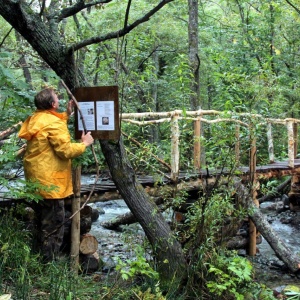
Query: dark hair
point(44, 99)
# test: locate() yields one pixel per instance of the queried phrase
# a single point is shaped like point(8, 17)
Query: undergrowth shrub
point(16, 261)
point(21, 272)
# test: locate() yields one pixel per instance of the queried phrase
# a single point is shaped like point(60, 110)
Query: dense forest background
point(232, 56)
point(248, 58)
point(239, 56)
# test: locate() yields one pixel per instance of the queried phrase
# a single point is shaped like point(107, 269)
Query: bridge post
point(295, 129)
point(175, 146)
point(253, 182)
point(294, 194)
point(237, 145)
point(291, 143)
point(197, 143)
point(270, 143)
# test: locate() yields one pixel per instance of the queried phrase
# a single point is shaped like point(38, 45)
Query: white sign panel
point(105, 115)
point(88, 113)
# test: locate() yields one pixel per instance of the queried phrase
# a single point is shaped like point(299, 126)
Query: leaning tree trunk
point(167, 249)
point(45, 39)
point(285, 254)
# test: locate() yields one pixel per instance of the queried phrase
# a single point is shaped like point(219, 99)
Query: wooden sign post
point(100, 110)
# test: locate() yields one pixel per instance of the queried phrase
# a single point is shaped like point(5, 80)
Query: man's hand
point(70, 107)
point(87, 139)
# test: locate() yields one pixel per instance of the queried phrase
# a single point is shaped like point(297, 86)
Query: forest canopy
point(248, 53)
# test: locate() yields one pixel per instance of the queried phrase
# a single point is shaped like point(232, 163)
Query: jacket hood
point(36, 122)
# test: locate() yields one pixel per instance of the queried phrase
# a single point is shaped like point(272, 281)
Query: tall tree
point(41, 30)
point(194, 59)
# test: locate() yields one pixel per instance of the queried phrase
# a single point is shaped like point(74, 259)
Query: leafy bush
point(232, 279)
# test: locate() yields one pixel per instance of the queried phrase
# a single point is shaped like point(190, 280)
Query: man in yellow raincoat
point(47, 160)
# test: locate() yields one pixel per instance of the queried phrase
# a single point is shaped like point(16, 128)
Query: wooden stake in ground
point(75, 227)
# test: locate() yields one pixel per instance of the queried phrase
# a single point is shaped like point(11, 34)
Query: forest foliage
point(248, 53)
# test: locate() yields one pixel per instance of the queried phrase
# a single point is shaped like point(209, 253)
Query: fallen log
point(124, 219)
point(277, 191)
point(281, 250)
point(241, 242)
point(88, 244)
point(9, 131)
point(90, 263)
point(127, 218)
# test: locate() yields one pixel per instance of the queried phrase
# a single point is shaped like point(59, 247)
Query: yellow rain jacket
point(49, 151)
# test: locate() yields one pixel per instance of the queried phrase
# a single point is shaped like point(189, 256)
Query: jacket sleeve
point(60, 139)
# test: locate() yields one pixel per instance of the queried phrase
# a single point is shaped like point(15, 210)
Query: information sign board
point(100, 110)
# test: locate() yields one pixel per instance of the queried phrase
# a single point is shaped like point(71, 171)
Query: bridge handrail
point(147, 118)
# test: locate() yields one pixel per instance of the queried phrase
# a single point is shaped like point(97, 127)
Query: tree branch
point(293, 6)
point(74, 9)
point(127, 13)
point(3, 40)
point(121, 32)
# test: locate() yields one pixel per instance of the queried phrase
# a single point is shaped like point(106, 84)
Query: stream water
point(114, 245)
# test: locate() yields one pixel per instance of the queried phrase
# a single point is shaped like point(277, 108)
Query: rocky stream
point(270, 270)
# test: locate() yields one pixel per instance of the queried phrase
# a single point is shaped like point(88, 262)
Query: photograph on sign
point(88, 113)
point(105, 115)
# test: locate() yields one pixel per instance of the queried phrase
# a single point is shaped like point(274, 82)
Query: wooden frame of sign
point(100, 110)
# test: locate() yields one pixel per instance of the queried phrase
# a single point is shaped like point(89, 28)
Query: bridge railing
point(199, 117)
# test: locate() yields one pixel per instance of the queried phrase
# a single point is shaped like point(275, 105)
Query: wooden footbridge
point(245, 130)
point(250, 136)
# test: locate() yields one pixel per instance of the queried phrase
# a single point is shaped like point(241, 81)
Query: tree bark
point(284, 253)
point(194, 59)
point(166, 248)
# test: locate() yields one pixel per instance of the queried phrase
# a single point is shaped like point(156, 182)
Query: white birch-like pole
point(270, 143)
point(197, 144)
point(291, 143)
point(237, 145)
point(175, 146)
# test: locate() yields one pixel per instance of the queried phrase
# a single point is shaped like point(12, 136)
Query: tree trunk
point(194, 60)
point(165, 247)
point(285, 254)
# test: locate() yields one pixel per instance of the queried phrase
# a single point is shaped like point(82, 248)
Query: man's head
point(46, 100)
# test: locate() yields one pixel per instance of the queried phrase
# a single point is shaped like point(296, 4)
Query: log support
point(197, 143)
point(175, 133)
point(253, 192)
point(294, 194)
point(75, 227)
